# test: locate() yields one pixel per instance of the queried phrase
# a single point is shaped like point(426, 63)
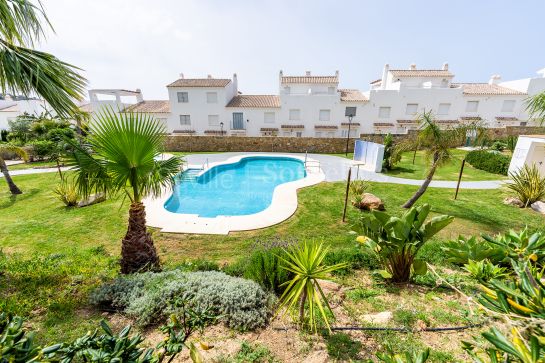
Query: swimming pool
point(234, 189)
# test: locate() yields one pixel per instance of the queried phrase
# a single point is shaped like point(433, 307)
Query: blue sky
point(143, 44)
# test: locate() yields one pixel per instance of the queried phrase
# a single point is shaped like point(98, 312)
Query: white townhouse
point(13, 106)
point(315, 106)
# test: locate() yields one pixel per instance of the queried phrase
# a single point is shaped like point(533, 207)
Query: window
point(213, 120)
point(412, 108)
point(444, 83)
point(384, 112)
point(185, 120)
point(472, 106)
point(350, 111)
point(287, 90)
point(211, 97)
point(331, 90)
point(295, 114)
point(299, 133)
point(269, 117)
point(325, 115)
point(443, 109)
point(183, 97)
point(508, 106)
point(344, 133)
point(318, 134)
point(286, 133)
point(331, 134)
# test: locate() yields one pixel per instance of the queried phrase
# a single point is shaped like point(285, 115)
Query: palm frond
point(21, 21)
point(26, 70)
point(535, 106)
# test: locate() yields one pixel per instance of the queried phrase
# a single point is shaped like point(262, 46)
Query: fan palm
point(25, 70)
point(437, 144)
point(122, 157)
point(7, 148)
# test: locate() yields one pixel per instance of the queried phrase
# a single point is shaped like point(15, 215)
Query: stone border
point(283, 205)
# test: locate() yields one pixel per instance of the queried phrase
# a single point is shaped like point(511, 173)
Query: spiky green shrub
point(493, 162)
point(306, 264)
point(242, 304)
point(67, 193)
point(522, 245)
point(462, 250)
point(397, 240)
point(528, 184)
point(484, 270)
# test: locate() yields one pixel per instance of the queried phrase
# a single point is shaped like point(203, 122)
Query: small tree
point(391, 154)
point(123, 157)
point(436, 143)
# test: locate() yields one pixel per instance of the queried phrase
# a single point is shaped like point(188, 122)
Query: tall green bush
point(265, 268)
point(528, 184)
point(492, 162)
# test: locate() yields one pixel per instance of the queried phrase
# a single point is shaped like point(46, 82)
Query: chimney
point(139, 96)
point(445, 66)
point(413, 67)
point(209, 76)
point(235, 82)
point(337, 73)
point(307, 73)
point(384, 76)
point(494, 79)
point(181, 75)
point(280, 74)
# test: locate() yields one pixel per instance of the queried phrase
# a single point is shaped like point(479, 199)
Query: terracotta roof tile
point(376, 81)
point(326, 127)
point(255, 101)
point(310, 79)
point(183, 131)
point(268, 129)
point(485, 89)
point(504, 118)
point(346, 124)
point(471, 118)
point(149, 107)
point(201, 82)
point(421, 73)
point(449, 122)
point(352, 95)
point(377, 124)
point(214, 132)
point(407, 122)
point(292, 126)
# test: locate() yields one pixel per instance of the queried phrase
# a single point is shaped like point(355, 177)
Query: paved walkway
point(335, 168)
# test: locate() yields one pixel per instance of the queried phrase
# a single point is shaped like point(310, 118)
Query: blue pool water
point(242, 188)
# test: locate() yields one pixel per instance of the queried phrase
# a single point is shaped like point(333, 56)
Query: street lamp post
point(348, 135)
point(221, 127)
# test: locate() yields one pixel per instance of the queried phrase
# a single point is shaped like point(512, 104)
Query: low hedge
point(493, 162)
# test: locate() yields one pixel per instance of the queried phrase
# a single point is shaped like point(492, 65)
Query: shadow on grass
point(11, 199)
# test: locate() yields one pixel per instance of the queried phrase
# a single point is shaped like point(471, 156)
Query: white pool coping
point(283, 204)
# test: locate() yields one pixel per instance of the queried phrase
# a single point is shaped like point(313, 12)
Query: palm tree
point(7, 148)
point(25, 70)
point(121, 156)
point(535, 106)
point(437, 144)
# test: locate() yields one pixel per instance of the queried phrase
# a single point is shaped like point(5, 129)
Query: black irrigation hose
point(401, 330)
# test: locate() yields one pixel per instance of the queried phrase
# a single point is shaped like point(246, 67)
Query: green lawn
point(406, 169)
point(57, 255)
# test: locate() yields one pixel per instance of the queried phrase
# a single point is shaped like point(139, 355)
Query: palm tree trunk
point(12, 187)
point(137, 250)
point(423, 187)
point(302, 306)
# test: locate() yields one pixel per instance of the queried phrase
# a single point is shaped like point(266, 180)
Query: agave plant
point(528, 184)
point(306, 263)
point(397, 240)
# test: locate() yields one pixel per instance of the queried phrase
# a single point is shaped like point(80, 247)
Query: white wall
point(530, 151)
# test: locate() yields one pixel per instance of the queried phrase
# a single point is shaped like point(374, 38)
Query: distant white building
point(315, 106)
point(11, 107)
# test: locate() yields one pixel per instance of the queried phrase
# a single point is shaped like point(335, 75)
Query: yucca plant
point(397, 240)
point(357, 188)
point(67, 193)
point(306, 263)
point(528, 184)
